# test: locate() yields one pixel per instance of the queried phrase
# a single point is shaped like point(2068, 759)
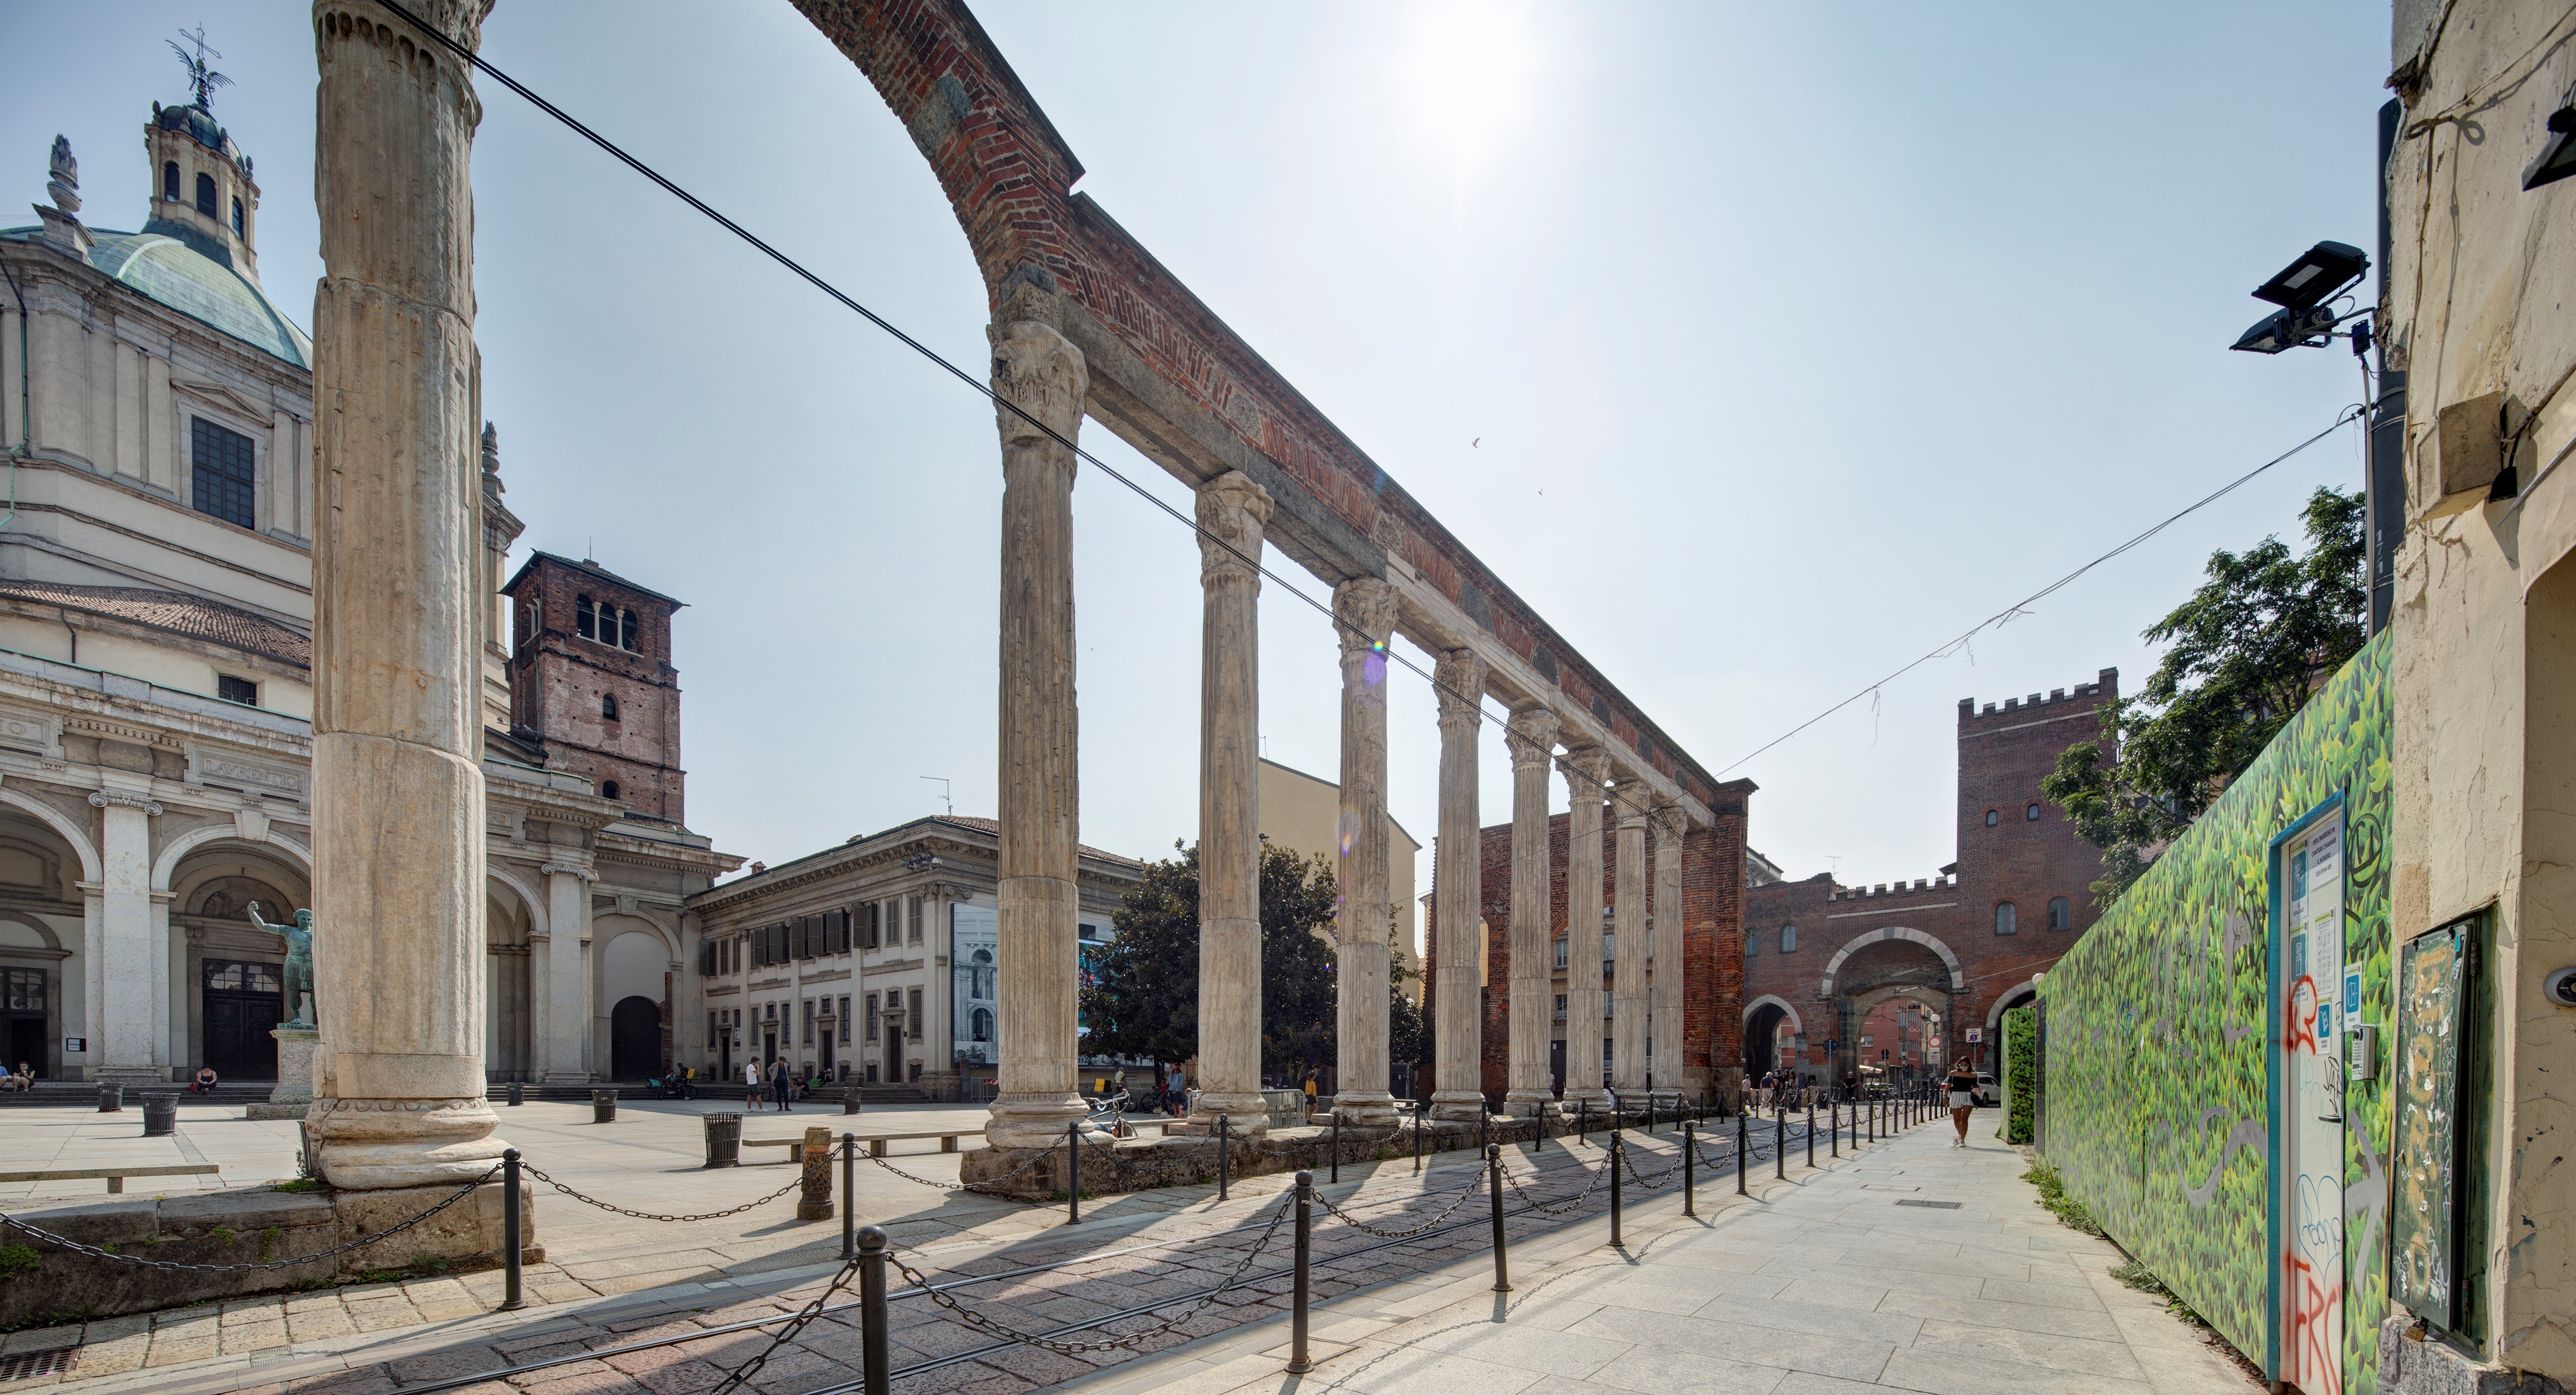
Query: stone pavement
point(1912, 1266)
point(1129, 1251)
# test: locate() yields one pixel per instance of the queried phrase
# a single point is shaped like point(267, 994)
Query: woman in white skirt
point(1962, 1086)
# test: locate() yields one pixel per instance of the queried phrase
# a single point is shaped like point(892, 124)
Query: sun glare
point(1466, 79)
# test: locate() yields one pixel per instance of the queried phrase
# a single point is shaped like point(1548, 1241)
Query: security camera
point(2560, 987)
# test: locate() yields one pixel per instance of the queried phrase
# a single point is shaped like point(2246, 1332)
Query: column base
point(373, 1144)
point(1455, 1105)
point(1591, 1099)
point(1369, 1111)
point(1249, 1110)
point(1531, 1104)
point(1033, 1118)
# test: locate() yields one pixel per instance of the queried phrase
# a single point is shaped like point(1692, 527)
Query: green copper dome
point(198, 286)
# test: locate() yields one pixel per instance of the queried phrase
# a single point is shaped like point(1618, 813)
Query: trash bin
point(849, 1099)
point(518, 1092)
point(111, 1099)
point(160, 1113)
point(603, 1106)
point(724, 1140)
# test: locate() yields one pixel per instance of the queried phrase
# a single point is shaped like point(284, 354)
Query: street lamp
point(2557, 154)
point(2305, 290)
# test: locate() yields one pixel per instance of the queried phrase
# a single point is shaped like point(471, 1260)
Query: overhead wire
point(1614, 794)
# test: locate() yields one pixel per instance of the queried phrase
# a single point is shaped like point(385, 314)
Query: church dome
point(180, 276)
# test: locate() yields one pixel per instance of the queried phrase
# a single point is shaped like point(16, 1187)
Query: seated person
point(205, 1083)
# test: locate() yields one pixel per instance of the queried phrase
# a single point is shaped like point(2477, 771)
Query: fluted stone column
point(1231, 510)
point(1587, 772)
point(1457, 880)
point(397, 705)
point(1664, 994)
point(1366, 609)
point(1041, 371)
point(1628, 981)
point(1533, 744)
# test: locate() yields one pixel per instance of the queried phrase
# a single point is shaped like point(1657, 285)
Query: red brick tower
point(592, 684)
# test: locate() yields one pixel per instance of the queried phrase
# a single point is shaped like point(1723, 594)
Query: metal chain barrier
point(983, 1188)
point(740, 1375)
point(1641, 1179)
point(1465, 1194)
point(1567, 1206)
point(804, 1174)
point(94, 1252)
point(1154, 1171)
point(1191, 1309)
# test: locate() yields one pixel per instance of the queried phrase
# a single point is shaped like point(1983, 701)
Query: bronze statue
point(299, 962)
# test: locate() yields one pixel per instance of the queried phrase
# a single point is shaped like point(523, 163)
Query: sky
point(1761, 349)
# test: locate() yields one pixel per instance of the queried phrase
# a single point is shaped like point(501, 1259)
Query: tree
point(1144, 1000)
point(2261, 634)
point(1407, 1041)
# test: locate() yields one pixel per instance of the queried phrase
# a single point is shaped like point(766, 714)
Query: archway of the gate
point(1875, 969)
point(1764, 1048)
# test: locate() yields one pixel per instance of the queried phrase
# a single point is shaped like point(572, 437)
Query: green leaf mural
point(2155, 1099)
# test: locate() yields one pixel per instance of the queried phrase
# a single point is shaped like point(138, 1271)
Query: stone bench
point(115, 1175)
point(876, 1142)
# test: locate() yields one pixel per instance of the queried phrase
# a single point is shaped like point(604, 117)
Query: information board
point(2420, 1267)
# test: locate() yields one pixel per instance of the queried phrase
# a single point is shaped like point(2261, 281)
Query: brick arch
point(1796, 1024)
point(1833, 966)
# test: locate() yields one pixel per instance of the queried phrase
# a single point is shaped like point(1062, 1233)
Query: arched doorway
point(236, 970)
point(1762, 1038)
point(635, 1039)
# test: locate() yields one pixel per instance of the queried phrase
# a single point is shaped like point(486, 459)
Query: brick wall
point(2004, 750)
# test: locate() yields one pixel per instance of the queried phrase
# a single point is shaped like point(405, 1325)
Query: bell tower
point(202, 191)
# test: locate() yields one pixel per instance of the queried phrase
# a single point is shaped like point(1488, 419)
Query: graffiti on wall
point(2158, 1109)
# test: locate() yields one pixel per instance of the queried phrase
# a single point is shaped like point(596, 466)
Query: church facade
point(156, 695)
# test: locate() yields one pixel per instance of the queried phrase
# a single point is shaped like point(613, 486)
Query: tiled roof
point(176, 612)
point(994, 827)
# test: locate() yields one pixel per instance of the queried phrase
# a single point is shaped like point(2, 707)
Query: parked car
point(1987, 1090)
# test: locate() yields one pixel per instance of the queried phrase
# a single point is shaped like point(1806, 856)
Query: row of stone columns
point(1039, 371)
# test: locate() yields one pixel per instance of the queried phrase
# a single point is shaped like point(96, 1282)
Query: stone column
point(1232, 510)
point(129, 1042)
point(1587, 773)
point(1366, 608)
point(1533, 746)
point(1457, 876)
point(567, 1044)
point(1664, 993)
point(397, 705)
point(1040, 371)
point(1628, 980)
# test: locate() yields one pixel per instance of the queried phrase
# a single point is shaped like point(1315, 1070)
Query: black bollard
point(1583, 1120)
point(1743, 1137)
point(1834, 1127)
point(849, 1197)
point(1417, 1139)
point(1690, 1170)
point(1224, 1136)
point(1780, 1144)
point(1494, 1184)
point(1337, 1140)
point(1614, 1158)
point(1298, 1364)
point(1811, 1133)
point(512, 1297)
point(876, 1369)
point(1073, 1173)
point(1484, 1129)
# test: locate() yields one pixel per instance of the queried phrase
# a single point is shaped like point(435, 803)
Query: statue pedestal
point(294, 1092)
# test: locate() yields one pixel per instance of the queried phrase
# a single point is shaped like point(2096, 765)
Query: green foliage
point(2248, 648)
point(1144, 999)
point(2052, 1195)
point(300, 1184)
point(15, 1258)
point(223, 1235)
point(268, 1242)
point(2144, 1280)
point(2021, 1039)
point(2157, 1100)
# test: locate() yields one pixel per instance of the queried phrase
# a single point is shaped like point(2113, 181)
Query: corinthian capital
point(1039, 371)
point(1461, 679)
point(1232, 511)
point(1587, 773)
point(1671, 824)
point(1366, 607)
point(1533, 737)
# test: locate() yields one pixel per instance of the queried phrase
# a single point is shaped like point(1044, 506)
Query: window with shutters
point(170, 180)
point(206, 196)
point(808, 1019)
point(222, 472)
point(912, 1013)
point(707, 959)
point(1560, 953)
point(1560, 1001)
point(845, 1020)
point(237, 218)
point(875, 912)
point(872, 1017)
point(912, 922)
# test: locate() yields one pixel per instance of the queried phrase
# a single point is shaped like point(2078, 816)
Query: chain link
point(1193, 1308)
point(94, 1252)
point(804, 1175)
point(1465, 1194)
point(740, 1375)
point(1640, 1178)
point(1567, 1207)
point(983, 1188)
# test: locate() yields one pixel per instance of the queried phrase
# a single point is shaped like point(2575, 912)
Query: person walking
point(1962, 1085)
point(780, 1081)
point(751, 1084)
